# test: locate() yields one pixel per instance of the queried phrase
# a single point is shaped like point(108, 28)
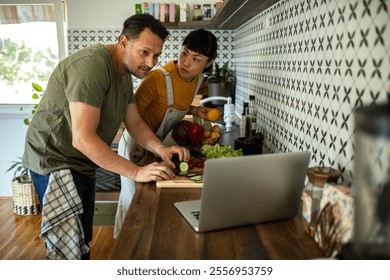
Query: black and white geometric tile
point(81, 38)
point(310, 64)
point(78, 39)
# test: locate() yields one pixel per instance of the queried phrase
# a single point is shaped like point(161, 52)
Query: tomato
point(191, 164)
point(196, 162)
point(195, 132)
point(201, 164)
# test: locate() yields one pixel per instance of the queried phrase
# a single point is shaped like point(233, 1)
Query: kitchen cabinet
point(230, 15)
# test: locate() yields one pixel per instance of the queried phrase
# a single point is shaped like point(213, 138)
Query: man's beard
point(140, 72)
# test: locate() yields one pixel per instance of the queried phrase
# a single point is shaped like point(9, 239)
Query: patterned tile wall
point(78, 39)
point(310, 63)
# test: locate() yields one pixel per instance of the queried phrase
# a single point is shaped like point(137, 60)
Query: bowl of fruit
point(195, 134)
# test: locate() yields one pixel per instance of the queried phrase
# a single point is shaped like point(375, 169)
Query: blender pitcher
point(371, 187)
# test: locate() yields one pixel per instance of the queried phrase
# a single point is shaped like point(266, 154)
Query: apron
point(139, 155)
point(129, 149)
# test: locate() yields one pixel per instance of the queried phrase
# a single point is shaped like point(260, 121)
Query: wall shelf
point(232, 14)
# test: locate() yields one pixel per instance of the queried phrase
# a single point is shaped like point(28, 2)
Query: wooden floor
point(19, 236)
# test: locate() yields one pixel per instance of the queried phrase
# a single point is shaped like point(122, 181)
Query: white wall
point(13, 132)
point(107, 14)
point(98, 14)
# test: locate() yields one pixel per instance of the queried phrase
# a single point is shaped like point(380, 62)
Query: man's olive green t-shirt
point(86, 76)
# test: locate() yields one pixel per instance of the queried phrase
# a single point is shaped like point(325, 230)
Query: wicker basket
point(26, 200)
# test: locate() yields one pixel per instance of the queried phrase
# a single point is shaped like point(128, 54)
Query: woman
point(163, 98)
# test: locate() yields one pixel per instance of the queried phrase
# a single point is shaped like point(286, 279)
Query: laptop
point(247, 190)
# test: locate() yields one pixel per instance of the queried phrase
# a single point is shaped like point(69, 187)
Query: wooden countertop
point(155, 230)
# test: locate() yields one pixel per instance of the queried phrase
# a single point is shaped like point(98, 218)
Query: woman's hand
point(166, 154)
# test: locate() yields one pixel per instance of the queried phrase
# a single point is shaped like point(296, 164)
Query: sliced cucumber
point(183, 166)
point(197, 178)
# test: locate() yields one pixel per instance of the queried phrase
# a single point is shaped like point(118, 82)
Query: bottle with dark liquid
point(251, 117)
point(243, 120)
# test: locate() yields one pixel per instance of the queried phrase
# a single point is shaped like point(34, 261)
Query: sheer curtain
point(26, 13)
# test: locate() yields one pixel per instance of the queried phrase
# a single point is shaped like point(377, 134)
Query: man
point(88, 96)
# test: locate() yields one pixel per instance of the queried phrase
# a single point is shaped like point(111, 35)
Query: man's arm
point(85, 119)
point(145, 137)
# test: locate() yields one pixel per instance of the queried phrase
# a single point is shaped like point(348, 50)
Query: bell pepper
point(195, 132)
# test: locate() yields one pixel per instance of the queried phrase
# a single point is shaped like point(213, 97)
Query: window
point(32, 41)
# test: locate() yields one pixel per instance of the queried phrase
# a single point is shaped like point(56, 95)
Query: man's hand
point(153, 172)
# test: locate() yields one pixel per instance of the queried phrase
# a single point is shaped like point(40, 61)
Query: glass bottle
point(243, 120)
point(251, 117)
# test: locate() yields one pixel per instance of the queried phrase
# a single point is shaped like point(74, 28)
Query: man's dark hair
point(135, 24)
point(203, 42)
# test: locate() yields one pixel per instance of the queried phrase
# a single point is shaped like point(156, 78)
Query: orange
point(213, 115)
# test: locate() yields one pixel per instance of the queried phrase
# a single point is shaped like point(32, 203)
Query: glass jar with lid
point(197, 13)
point(318, 176)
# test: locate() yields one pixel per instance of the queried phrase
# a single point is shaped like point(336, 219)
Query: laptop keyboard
point(195, 214)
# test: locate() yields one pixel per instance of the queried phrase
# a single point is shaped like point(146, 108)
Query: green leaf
point(18, 168)
point(225, 68)
point(13, 166)
point(197, 119)
point(35, 96)
point(222, 151)
point(37, 87)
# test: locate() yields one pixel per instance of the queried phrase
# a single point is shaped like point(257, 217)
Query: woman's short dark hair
point(135, 24)
point(203, 42)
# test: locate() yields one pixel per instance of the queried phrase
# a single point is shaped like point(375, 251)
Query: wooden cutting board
point(179, 182)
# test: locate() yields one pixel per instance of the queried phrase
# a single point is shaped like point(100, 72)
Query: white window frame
point(60, 20)
point(13, 110)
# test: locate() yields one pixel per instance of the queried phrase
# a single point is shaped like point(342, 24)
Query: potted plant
point(26, 200)
point(221, 82)
point(20, 171)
